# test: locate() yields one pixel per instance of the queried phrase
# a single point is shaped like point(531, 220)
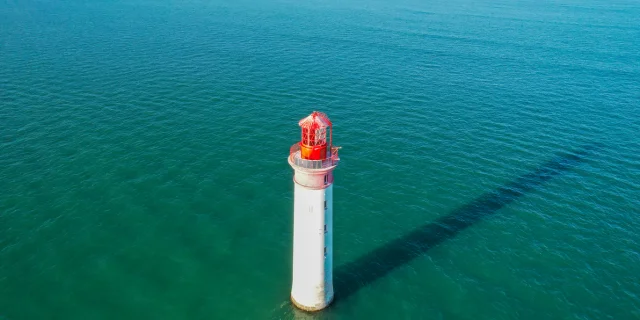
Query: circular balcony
point(295, 158)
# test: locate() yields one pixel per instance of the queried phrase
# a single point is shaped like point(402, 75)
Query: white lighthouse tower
point(313, 159)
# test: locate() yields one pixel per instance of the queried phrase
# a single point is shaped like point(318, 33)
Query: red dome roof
point(315, 120)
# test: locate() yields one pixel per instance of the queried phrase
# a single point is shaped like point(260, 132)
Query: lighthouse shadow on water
point(351, 277)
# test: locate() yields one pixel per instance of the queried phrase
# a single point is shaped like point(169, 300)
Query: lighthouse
point(313, 160)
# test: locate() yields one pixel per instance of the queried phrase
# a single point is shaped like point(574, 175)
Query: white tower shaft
point(312, 283)
point(312, 286)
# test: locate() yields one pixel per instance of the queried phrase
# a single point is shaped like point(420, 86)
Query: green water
point(490, 166)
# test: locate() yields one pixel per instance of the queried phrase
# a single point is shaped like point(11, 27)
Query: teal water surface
point(490, 163)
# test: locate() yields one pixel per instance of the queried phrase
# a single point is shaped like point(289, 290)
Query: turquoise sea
point(490, 161)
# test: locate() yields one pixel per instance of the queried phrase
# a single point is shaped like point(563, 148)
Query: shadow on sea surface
point(376, 264)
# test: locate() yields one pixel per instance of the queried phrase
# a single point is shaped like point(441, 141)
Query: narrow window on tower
point(325, 229)
point(325, 252)
point(325, 204)
point(326, 179)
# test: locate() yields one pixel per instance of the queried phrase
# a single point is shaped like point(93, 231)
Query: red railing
point(331, 160)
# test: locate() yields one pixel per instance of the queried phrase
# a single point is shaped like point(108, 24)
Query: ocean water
point(490, 163)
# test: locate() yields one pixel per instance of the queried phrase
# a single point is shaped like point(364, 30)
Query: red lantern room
point(313, 145)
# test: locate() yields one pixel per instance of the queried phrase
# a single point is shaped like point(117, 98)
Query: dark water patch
point(380, 262)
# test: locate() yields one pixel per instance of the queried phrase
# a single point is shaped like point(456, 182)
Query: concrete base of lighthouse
point(312, 285)
point(308, 308)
